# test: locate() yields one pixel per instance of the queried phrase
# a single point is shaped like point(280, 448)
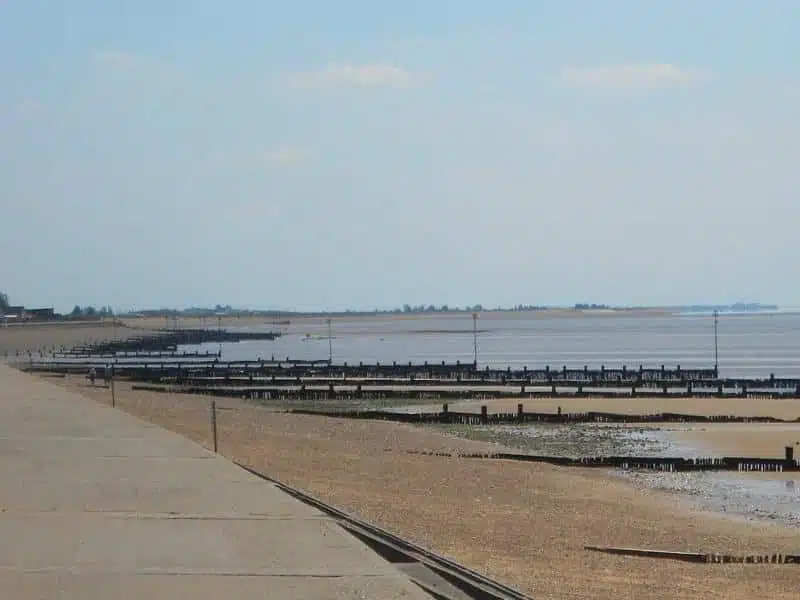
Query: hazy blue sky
point(367, 154)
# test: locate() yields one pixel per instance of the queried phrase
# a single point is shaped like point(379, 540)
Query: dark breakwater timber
point(319, 380)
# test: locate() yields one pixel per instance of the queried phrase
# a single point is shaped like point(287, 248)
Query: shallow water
point(736, 495)
point(752, 345)
point(591, 439)
point(749, 346)
point(730, 494)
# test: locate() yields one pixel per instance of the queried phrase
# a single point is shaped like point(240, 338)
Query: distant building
point(41, 314)
point(15, 311)
point(20, 313)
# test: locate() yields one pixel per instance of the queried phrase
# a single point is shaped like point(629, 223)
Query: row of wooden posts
point(663, 464)
point(648, 463)
point(559, 417)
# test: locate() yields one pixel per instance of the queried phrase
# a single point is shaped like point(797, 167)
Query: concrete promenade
point(98, 505)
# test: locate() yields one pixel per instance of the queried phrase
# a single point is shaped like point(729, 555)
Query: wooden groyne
point(298, 390)
point(319, 380)
point(169, 340)
point(702, 557)
point(163, 345)
point(171, 354)
point(419, 373)
point(644, 463)
point(448, 417)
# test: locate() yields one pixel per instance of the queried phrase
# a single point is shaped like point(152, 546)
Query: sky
point(358, 154)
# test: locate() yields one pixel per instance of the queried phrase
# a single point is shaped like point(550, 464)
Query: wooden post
point(214, 423)
point(113, 394)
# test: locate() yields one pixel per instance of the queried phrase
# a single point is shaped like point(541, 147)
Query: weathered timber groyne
point(169, 340)
point(169, 354)
point(421, 373)
point(643, 463)
point(155, 344)
point(448, 417)
point(702, 557)
point(319, 380)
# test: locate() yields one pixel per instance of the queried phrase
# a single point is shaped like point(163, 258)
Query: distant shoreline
point(591, 310)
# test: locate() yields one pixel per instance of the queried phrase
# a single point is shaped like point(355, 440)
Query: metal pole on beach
point(716, 343)
point(330, 343)
point(214, 424)
point(475, 337)
point(113, 394)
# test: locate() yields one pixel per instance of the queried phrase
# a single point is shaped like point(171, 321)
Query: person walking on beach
point(92, 375)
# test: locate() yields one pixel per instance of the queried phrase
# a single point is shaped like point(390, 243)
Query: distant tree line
point(91, 312)
point(226, 309)
point(420, 308)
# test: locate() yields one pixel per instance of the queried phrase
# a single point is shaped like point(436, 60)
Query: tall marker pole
point(716, 343)
point(214, 424)
point(330, 343)
point(475, 338)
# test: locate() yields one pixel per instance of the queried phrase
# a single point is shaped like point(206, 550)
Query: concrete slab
point(96, 447)
point(190, 545)
point(46, 488)
point(67, 586)
point(96, 504)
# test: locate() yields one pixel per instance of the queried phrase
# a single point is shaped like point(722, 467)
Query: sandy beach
point(523, 524)
point(33, 337)
point(762, 440)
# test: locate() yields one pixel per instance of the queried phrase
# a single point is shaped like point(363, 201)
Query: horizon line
point(446, 308)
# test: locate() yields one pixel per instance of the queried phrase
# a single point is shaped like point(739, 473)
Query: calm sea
point(750, 345)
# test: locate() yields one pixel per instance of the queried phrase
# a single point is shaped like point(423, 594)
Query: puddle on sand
point(589, 439)
point(731, 494)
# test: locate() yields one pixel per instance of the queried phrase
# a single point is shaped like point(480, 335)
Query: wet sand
point(784, 408)
point(762, 497)
point(38, 336)
point(770, 496)
point(766, 440)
